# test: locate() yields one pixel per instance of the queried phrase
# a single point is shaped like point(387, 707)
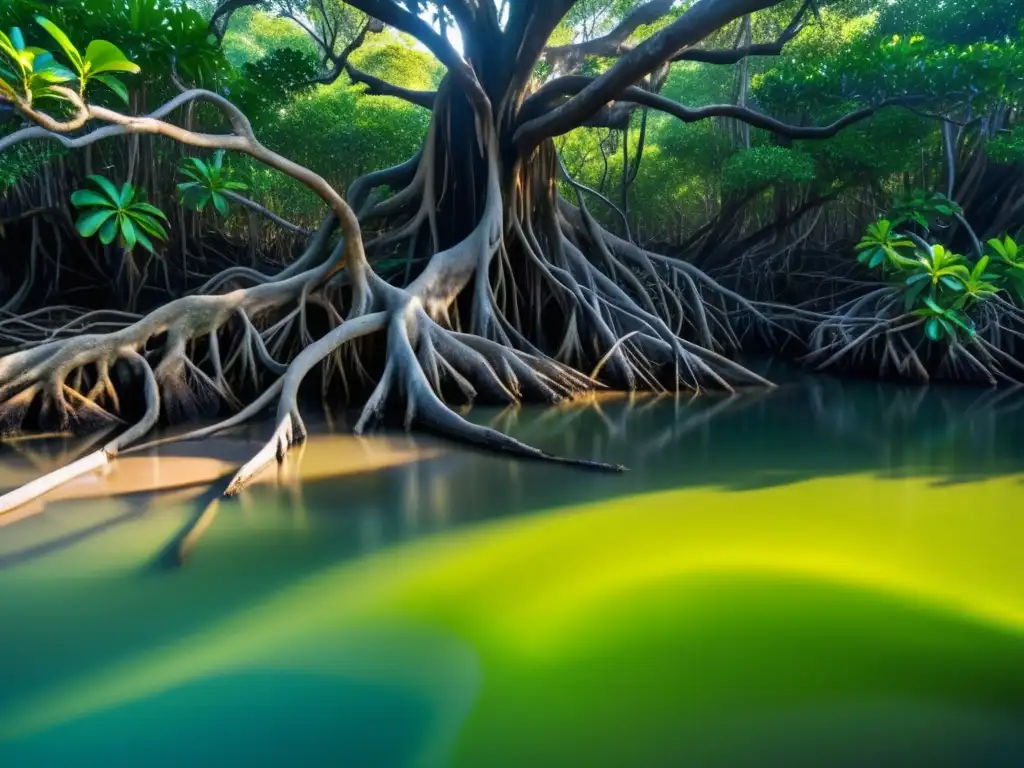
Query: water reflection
point(397, 487)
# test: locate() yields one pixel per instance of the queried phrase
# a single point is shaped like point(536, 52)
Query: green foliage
point(31, 73)
point(100, 60)
point(117, 215)
point(881, 243)
point(872, 69)
point(22, 161)
point(937, 267)
point(398, 60)
point(1009, 264)
point(922, 207)
point(27, 72)
point(272, 81)
point(148, 32)
point(1008, 147)
point(943, 322)
point(207, 184)
point(939, 285)
point(765, 166)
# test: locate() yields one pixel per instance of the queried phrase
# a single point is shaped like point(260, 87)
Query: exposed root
point(475, 323)
point(874, 333)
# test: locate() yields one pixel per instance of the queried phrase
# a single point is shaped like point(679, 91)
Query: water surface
point(828, 574)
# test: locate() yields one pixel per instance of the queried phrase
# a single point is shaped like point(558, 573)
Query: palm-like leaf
point(207, 184)
point(115, 213)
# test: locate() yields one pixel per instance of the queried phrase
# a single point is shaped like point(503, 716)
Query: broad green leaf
point(7, 47)
point(83, 198)
point(235, 185)
point(127, 193)
point(144, 241)
point(932, 329)
point(128, 233)
point(202, 167)
point(115, 85)
point(17, 39)
point(998, 247)
point(62, 40)
point(109, 231)
point(53, 72)
point(102, 56)
point(220, 204)
point(952, 282)
point(917, 278)
point(108, 188)
point(150, 225)
point(89, 223)
point(150, 209)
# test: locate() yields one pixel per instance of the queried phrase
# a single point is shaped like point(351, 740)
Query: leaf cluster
point(207, 184)
point(117, 214)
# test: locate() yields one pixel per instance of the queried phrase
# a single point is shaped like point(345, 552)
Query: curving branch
point(571, 84)
point(615, 42)
point(241, 140)
point(375, 86)
point(696, 24)
point(391, 13)
point(339, 60)
point(222, 15)
point(268, 214)
point(736, 55)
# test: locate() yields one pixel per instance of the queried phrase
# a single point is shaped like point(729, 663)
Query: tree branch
point(257, 208)
point(391, 13)
point(375, 86)
point(222, 15)
point(571, 84)
point(696, 24)
point(242, 140)
point(735, 55)
point(614, 43)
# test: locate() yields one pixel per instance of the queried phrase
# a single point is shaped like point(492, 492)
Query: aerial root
point(97, 459)
point(874, 331)
point(420, 355)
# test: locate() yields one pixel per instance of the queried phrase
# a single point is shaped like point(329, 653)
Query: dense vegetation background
point(738, 200)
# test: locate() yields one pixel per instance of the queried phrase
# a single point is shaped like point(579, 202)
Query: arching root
point(73, 375)
point(873, 332)
point(421, 357)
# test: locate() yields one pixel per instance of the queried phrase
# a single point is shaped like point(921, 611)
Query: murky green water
point(830, 574)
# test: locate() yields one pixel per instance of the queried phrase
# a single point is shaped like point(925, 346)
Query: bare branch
point(375, 86)
point(735, 55)
point(222, 16)
point(257, 208)
point(696, 24)
point(571, 84)
point(391, 13)
point(615, 42)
